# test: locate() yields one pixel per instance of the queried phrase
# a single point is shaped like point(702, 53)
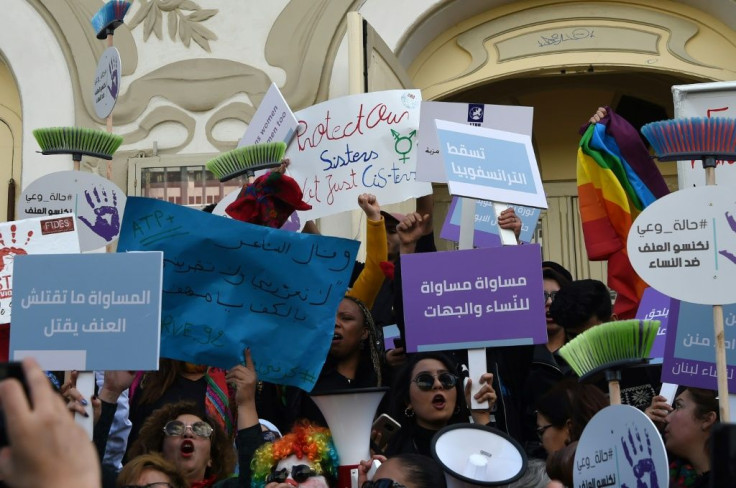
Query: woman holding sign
point(428, 395)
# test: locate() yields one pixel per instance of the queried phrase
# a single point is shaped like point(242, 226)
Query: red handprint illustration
point(8, 252)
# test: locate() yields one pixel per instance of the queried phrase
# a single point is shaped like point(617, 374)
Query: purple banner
point(690, 354)
point(474, 298)
point(656, 306)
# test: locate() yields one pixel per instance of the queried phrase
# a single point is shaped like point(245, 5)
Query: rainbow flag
point(617, 179)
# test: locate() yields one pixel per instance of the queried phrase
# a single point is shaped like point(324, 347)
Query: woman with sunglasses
point(428, 395)
point(404, 471)
point(197, 445)
point(306, 456)
point(150, 471)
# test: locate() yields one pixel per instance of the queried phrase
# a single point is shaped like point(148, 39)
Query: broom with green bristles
point(77, 141)
point(609, 348)
point(247, 160)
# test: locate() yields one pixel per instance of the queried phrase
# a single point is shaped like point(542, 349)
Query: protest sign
point(97, 203)
point(273, 121)
point(620, 446)
point(229, 285)
point(689, 355)
point(473, 298)
point(684, 245)
point(656, 306)
point(357, 144)
point(489, 164)
point(486, 227)
point(88, 311)
point(41, 235)
point(510, 118)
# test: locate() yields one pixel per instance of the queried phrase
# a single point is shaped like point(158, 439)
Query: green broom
point(247, 160)
point(609, 348)
point(77, 141)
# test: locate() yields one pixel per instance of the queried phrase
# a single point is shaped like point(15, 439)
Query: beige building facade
point(194, 72)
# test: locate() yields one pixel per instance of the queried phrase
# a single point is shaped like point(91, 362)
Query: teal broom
point(247, 160)
point(608, 348)
point(707, 139)
point(109, 17)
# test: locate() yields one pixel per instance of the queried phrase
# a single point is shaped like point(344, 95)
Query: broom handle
point(709, 165)
point(614, 392)
point(109, 117)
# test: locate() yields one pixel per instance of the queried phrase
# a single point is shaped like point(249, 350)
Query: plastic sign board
point(97, 202)
point(684, 245)
point(41, 235)
point(509, 118)
point(273, 121)
point(88, 311)
point(705, 100)
point(107, 82)
point(620, 446)
point(489, 164)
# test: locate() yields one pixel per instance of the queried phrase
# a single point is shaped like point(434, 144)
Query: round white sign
point(97, 203)
point(107, 82)
point(684, 245)
point(620, 446)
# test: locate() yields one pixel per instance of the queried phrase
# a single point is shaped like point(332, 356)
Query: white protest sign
point(620, 446)
point(107, 82)
point(705, 100)
point(98, 204)
point(42, 235)
point(430, 166)
point(684, 245)
point(489, 164)
point(273, 121)
point(357, 144)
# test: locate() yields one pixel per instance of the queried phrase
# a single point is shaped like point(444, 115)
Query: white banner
point(357, 144)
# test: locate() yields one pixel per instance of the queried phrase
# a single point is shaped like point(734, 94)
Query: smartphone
point(398, 342)
point(387, 428)
point(723, 464)
point(11, 370)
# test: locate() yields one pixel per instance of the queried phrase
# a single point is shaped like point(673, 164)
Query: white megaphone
point(349, 415)
point(477, 455)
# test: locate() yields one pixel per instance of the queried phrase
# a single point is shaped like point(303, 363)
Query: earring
point(409, 412)
point(457, 409)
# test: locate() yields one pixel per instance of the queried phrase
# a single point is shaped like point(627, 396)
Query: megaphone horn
point(349, 415)
point(477, 455)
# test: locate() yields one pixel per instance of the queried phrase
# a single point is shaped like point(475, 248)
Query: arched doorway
point(565, 59)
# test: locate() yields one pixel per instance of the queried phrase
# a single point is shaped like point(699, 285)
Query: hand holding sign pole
point(491, 165)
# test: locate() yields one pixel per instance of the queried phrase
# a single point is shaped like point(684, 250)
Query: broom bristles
point(692, 138)
point(109, 17)
point(247, 159)
point(610, 343)
point(77, 141)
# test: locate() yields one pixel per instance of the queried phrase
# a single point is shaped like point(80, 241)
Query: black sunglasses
point(550, 295)
point(299, 473)
point(425, 381)
point(175, 428)
point(542, 430)
point(383, 483)
point(156, 484)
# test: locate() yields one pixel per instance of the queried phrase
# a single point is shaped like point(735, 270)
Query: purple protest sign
point(689, 353)
point(656, 306)
point(473, 298)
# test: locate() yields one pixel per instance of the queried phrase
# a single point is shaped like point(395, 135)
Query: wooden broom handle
point(614, 392)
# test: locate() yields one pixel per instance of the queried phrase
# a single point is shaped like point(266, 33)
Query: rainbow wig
point(304, 440)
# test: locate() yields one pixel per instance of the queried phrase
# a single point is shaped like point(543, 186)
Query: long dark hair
point(400, 395)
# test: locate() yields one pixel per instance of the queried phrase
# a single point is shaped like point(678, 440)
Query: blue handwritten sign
point(87, 311)
point(486, 227)
point(690, 354)
point(229, 285)
point(490, 164)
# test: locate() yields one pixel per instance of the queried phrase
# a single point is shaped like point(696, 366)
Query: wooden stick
point(721, 367)
point(614, 392)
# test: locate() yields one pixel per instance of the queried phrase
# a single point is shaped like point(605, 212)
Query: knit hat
point(268, 201)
